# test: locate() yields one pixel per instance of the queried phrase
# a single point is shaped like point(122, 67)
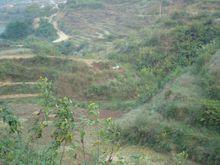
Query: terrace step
point(2, 84)
point(18, 96)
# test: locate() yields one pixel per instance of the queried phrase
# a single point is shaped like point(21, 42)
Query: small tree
point(64, 124)
point(17, 30)
point(65, 130)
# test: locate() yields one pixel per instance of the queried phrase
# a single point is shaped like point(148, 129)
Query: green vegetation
point(46, 31)
point(177, 116)
point(41, 47)
point(139, 73)
point(18, 89)
point(66, 126)
point(84, 3)
point(184, 116)
point(17, 30)
point(73, 78)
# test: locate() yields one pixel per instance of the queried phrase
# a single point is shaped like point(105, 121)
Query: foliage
point(17, 70)
point(34, 11)
point(11, 148)
point(71, 48)
point(65, 129)
point(148, 85)
point(152, 130)
point(123, 88)
point(8, 117)
point(210, 116)
point(188, 41)
point(181, 157)
point(41, 47)
point(24, 88)
point(182, 116)
point(17, 30)
point(46, 31)
point(84, 3)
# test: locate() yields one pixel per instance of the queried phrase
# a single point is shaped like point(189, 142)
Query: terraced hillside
point(146, 70)
point(102, 22)
point(179, 117)
point(72, 77)
point(78, 78)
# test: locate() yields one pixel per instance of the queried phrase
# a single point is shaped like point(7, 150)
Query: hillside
point(110, 82)
point(180, 117)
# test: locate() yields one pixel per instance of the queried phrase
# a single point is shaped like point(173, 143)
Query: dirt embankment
point(17, 56)
point(18, 96)
point(2, 84)
point(61, 35)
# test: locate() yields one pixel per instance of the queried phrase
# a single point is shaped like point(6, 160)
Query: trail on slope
point(18, 56)
point(61, 35)
point(87, 61)
point(15, 96)
point(18, 96)
point(2, 84)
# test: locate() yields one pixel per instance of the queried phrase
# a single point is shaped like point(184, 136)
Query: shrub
point(98, 91)
point(46, 31)
point(17, 30)
point(41, 47)
point(69, 129)
point(163, 135)
point(147, 85)
point(188, 40)
point(210, 116)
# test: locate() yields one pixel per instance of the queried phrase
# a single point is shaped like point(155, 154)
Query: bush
point(20, 70)
point(188, 40)
point(95, 91)
point(41, 47)
point(71, 48)
point(46, 31)
point(17, 30)
point(210, 116)
point(147, 86)
point(163, 135)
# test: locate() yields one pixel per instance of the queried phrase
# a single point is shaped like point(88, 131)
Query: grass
point(110, 24)
point(16, 51)
point(19, 89)
point(79, 79)
point(170, 65)
point(170, 121)
point(126, 153)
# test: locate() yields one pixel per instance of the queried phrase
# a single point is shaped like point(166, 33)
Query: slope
point(184, 116)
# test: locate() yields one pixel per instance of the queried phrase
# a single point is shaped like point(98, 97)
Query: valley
point(110, 82)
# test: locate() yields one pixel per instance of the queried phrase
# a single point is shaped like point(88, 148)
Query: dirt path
point(16, 96)
point(2, 84)
point(87, 61)
point(18, 56)
point(61, 35)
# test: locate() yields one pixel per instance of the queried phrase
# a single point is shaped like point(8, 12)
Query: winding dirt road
point(87, 61)
point(61, 35)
